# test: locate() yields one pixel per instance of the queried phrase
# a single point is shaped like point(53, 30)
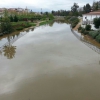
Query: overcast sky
point(46, 5)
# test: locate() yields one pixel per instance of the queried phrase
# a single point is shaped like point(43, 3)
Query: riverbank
point(36, 24)
point(87, 37)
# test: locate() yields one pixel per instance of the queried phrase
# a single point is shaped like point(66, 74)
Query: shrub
point(73, 25)
point(79, 28)
point(98, 38)
point(88, 27)
point(74, 21)
point(6, 26)
point(93, 34)
point(15, 18)
point(85, 32)
point(82, 30)
point(67, 18)
point(96, 22)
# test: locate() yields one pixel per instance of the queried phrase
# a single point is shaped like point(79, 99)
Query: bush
point(67, 18)
point(15, 18)
point(88, 27)
point(85, 32)
point(73, 18)
point(93, 34)
point(6, 26)
point(82, 30)
point(98, 38)
point(96, 22)
point(73, 25)
point(79, 28)
point(74, 21)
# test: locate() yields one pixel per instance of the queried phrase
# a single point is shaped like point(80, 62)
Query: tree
point(11, 18)
point(50, 16)
point(88, 8)
point(95, 6)
point(15, 18)
point(74, 7)
point(96, 22)
point(46, 13)
point(5, 26)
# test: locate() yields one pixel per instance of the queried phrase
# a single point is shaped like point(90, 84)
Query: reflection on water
point(50, 64)
point(9, 51)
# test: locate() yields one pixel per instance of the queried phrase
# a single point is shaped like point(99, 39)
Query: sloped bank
point(87, 40)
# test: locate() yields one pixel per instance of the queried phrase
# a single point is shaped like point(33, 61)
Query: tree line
point(76, 10)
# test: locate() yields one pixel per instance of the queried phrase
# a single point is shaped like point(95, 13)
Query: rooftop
point(93, 13)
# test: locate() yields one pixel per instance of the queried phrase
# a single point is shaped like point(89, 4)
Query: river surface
point(49, 63)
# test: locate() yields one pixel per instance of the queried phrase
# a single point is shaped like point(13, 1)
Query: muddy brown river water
point(49, 63)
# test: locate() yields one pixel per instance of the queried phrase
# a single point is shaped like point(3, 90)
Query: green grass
point(23, 22)
point(45, 22)
point(20, 22)
point(32, 24)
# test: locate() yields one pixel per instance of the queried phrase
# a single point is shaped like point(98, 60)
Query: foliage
point(96, 22)
point(15, 18)
point(50, 16)
point(5, 26)
point(82, 30)
point(17, 25)
point(60, 13)
point(11, 18)
point(74, 21)
point(45, 22)
point(93, 34)
point(74, 7)
point(98, 38)
point(87, 8)
point(95, 5)
point(32, 24)
point(19, 28)
point(85, 32)
point(79, 28)
point(88, 27)
point(67, 18)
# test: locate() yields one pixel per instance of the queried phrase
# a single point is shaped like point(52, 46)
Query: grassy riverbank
point(21, 25)
point(45, 22)
point(72, 20)
point(90, 36)
point(24, 26)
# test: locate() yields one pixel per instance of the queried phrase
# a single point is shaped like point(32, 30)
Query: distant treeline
point(77, 10)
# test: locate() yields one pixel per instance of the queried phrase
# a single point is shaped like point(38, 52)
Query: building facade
point(89, 17)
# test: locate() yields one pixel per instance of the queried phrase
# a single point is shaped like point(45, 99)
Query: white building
point(89, 17)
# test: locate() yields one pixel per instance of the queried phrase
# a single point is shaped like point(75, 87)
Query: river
point(49, 63)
